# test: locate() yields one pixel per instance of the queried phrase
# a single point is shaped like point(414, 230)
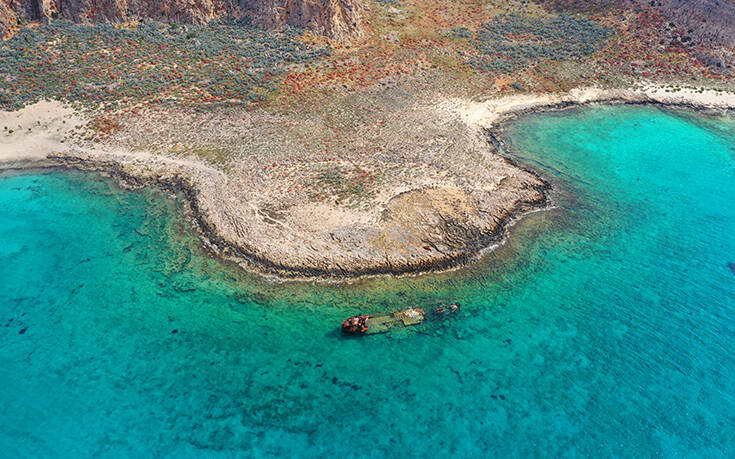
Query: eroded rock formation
point(334, 18)
point(7, 19)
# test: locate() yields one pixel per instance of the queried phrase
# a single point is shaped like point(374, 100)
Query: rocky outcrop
point(195, 12)
point(334, 18)
point(8, 19)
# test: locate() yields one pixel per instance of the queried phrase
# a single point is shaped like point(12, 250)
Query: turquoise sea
point(603, 327)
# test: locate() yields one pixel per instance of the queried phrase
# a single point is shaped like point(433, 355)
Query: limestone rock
point(8, 19)
point(334, 18)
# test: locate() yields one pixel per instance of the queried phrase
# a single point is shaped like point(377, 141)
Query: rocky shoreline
point(247, 258)
point(496, 133)
point(456, 238)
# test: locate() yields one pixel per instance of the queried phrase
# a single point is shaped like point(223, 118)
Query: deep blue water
point(604, 327)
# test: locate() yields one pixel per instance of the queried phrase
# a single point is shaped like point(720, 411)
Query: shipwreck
point(367, 324)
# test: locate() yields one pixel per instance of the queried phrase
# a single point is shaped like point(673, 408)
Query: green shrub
point(230, 62)
point(511, 42)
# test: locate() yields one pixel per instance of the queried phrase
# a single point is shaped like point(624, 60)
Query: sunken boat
point(367, 324)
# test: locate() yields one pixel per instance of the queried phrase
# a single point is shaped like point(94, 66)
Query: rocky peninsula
point(335, 139)
point(443, 194)
point(448, 193)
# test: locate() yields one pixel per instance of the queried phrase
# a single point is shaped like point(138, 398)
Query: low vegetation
point(223, 63)
point(456, 49)
point(511, 42)
point(350, 185)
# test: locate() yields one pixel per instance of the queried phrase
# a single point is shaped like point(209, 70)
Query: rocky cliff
point(334, 18)
point(7, 19)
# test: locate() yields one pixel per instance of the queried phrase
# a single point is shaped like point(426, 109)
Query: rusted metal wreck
point(367, 324)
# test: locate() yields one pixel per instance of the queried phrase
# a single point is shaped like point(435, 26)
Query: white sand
point(486, 113)
point(49, 123)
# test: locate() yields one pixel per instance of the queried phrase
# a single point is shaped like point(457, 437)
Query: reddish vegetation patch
point(348, 74)
point(235, 64)
point(640, 50)
point(105, 125)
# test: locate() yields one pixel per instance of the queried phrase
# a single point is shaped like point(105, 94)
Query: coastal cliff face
point(178, 11)
point(333, 18)
point(8, 20)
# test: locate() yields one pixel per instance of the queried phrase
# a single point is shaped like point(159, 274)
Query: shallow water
point(603, 327)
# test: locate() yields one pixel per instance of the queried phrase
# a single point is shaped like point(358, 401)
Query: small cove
point(602, 327)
